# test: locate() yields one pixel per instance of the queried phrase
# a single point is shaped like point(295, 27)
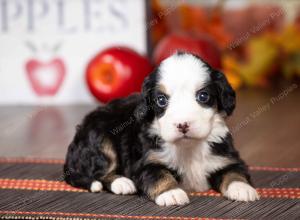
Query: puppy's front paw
point(123, 185)
point(241, 191)
point(172, 197)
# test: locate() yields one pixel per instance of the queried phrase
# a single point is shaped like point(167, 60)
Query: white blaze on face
point(182, 76)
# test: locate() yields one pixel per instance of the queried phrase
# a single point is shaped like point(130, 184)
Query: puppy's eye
point(202, 97)
point(162, 101)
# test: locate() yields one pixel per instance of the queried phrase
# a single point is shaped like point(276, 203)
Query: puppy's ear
point(226, 95)
point(145, 108)
point(147, 89)
point(149, 86)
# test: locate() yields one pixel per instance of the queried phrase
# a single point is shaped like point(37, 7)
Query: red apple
point(46, 77)
point(202, 45)
point(116, 72)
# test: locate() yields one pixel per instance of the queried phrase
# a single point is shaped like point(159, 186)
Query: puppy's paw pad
point(123, 186)
point(96, 186)
point(172, 197)
point(241, 191)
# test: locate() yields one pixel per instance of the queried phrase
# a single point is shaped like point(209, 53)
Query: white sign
point(45, 45)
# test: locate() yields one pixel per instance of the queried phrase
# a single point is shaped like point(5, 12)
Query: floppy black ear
point(145, 108)
point(147, 89)
point(149, 86)
point(226, 94)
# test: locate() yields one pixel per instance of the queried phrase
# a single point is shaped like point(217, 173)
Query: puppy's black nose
point(183, 127)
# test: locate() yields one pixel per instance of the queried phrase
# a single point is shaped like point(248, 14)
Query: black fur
point(226, 95)
point(226, 149)
point(125, 123)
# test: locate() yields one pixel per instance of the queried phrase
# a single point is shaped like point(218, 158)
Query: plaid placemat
point(34, 189)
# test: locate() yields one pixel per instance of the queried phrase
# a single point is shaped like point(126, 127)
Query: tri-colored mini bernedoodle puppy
point(166, 141)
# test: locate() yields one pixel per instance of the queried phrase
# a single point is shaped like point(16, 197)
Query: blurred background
point(60, 59)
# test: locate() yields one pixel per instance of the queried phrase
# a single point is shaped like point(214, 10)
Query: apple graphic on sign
point(46, 77)
point(45, 72)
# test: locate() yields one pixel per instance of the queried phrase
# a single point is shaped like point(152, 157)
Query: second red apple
point(202, 45)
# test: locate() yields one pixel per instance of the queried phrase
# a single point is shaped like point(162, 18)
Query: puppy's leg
point(113, 182)
point(234, 183)
point(234, 186)
point(158, 183)
point(75, 168)
point(119, 184)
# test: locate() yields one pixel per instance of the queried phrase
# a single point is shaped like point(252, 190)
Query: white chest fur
point(193, 163)
point(193, 159)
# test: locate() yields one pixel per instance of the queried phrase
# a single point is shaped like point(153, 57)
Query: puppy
point(166, 141)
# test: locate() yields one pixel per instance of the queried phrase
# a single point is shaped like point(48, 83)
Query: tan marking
point(153, 158)
point(108, 150)
point(166, 183)
point(162, 88)
point(109, 178)
point(229, 178)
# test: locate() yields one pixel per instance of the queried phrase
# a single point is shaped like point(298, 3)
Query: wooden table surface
point(265, 125)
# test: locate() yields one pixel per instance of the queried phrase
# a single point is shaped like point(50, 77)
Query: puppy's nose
point(183, 127)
